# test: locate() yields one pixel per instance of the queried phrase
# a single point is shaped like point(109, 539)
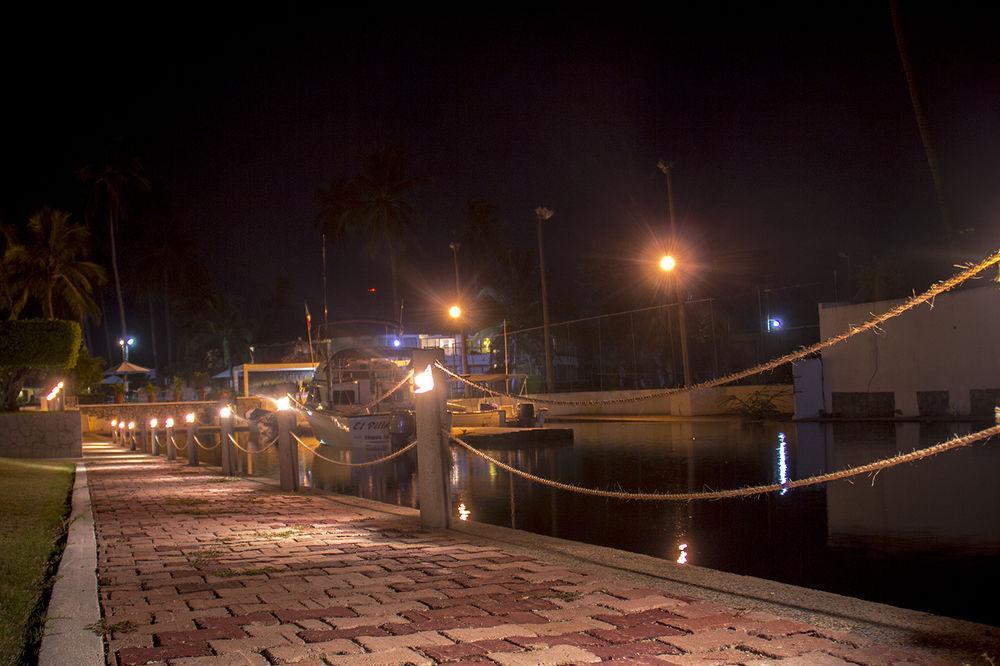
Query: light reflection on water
point(937, 522)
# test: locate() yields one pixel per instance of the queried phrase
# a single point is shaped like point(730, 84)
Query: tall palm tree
point(13, 296)
point(374, 205)
point(53, 266)
point(110, 184)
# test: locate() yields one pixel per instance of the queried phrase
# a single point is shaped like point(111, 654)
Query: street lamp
point(542, 214)
point(667, 264)
point(454, 311)
point(125, 343)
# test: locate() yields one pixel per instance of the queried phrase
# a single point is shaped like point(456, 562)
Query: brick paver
point(195, 569)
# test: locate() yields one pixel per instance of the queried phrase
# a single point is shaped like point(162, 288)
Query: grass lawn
point(34, 506)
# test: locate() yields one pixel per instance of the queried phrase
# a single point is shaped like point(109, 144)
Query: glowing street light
point(667, 263)
point(189, 417)
point(454, 312)
point(225, 412)
point(169, 423)
point(283, 404)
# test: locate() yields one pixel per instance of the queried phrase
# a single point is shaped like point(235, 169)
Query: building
point(935, 360)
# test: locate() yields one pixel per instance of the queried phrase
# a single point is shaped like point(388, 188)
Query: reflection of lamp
point(424, 381)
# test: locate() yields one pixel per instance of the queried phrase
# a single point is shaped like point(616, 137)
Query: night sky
point(790, 128)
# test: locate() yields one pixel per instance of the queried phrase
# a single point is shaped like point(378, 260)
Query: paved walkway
point(198, 569)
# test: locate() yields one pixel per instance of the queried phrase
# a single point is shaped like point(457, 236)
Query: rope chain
point(207, 448)
point(876, 466)
point(387, 458)
point(402, 382)
point(971, 270)
point(176, 445)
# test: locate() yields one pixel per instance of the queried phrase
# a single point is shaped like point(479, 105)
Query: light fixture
point(283, 404)
point(189, 417)
point(131, 342)
point(396, 342)
point(454, 312)
point(153, 423)
point(131, 425)
point(667, 263)
point(225, 412)
point(683, 557)
point(424, 381)
point(121, 425)
point(169, 423)
point(114, 423)
point(773, 324)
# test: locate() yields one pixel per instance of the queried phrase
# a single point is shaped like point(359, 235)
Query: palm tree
point(110, 183)
point(374, 205)
point(13, 296)
point(53, 266)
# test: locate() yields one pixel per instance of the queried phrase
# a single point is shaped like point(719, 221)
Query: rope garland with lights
point(970, 271)
point(391, 456)
point(207, 448)
point(751, 491)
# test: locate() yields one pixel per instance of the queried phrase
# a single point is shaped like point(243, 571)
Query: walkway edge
point(74, 609)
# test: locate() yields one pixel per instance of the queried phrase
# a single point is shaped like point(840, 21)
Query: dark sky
point(789, 125)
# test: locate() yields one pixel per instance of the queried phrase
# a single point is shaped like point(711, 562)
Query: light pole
point(674, 290)
point(125, 343)
point(455, 245)
point(542, 214)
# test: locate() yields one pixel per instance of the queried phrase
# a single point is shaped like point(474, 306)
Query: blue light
point(773, 324)
point(396, 342)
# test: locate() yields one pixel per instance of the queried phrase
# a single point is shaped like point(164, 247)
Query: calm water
point(924, 536)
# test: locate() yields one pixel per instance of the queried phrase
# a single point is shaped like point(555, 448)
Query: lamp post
point(667, 169)
point(542, 214)
point(125, 343)
point(455, 245)
point(667, 265)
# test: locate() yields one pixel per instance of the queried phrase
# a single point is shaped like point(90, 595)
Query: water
point(923, 536)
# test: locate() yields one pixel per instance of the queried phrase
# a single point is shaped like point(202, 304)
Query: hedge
point(43, 344)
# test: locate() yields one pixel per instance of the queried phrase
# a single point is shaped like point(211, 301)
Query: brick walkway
point(195, 569)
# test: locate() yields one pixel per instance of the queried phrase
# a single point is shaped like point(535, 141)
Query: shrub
point(34, 344)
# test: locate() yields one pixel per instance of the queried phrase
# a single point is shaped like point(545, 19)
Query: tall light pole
point(125, 343)
point(542, 214)
point(674, 290)
point(455, 245)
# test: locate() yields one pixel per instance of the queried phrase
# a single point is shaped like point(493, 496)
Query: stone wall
point(33, 434)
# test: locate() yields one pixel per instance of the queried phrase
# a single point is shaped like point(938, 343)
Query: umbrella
point(126, 368)
point(112, 379)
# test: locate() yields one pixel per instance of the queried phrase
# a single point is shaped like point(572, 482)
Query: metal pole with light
point(125, 343)
point(675, 291)
point(455, 245)
point(542, 214)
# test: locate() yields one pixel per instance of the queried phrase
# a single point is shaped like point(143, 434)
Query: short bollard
point(253, 443)
point(144, 436)
point(288, 453)
point(191, 435)
point(168, 439)
point(432, 445)
point(225, 443)
point(154, 438)
point(133, 444)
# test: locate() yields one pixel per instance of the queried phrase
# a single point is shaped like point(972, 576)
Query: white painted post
point(192, 446)
point(433, 459)
point(154, 441)
point(288, 454)
point(144, 433)
point(228, 452)
point(253, 443)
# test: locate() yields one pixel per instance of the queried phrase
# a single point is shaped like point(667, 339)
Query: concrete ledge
point(884, 624)
point(74, 604)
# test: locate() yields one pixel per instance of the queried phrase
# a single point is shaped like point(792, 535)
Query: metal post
point(433, 458)
point(543, 214)
point(682, 323)
point(192, 446)
point(288, 455)
point(168, 434)
point(228, 452)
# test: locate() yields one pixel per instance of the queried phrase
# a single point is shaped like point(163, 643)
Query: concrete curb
point(74, 604)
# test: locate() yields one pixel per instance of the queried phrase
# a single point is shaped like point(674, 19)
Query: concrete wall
point(34, 434)
point(705, 402)
point(951, 347)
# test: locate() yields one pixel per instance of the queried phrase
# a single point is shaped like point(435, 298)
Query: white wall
point(950, 347)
